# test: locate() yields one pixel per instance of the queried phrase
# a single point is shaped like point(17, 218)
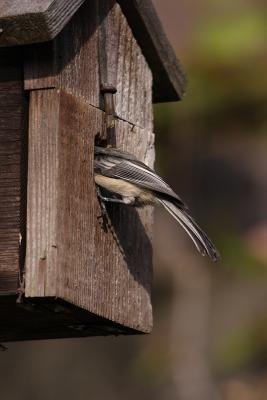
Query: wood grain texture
point(71, 254)
point(73, 65)
point(21, 7)
point(41, 253)
point(12, 130)
point(169, 79)
point(34, 21)
point(49, 318)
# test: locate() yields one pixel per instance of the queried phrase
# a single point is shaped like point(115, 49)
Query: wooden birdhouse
point(72, 71)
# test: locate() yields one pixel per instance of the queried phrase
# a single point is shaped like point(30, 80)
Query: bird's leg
point(104, 214)
point(108, 199)
point(112, 200)
point(105, 220)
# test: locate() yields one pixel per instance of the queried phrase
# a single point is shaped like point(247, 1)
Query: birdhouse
point(73, 72)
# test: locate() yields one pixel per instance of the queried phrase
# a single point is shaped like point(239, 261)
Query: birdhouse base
point(51, 318)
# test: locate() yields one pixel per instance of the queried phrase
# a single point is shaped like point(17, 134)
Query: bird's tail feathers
point(199, 238)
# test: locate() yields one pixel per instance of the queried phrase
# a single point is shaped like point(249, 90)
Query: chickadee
point(138, 185)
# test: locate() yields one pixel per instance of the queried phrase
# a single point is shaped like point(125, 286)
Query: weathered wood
point(108, 41)
point(69, 253)
point(13, 117)
point(34, 21)
point(50, 319)
point(41, 252)
point(75, 67)
point(168, 75)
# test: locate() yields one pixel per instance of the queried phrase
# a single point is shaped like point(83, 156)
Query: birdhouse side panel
point(12, 170)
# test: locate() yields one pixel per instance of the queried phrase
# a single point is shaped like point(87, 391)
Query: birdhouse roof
point(34, 21)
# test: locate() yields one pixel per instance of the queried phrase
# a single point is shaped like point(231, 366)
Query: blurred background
point(210, 332)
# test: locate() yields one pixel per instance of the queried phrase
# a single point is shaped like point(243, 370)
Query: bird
point(129, 181)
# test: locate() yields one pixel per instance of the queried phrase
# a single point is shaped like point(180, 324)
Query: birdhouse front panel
point(72, 252)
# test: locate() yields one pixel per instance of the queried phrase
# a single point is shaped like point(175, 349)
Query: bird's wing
point(133, 171)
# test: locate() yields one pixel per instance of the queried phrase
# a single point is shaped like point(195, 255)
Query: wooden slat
point(107, 272)
point(49, 318)
point(134, 78)
point(41, 253)
point(75, 67)
point(34, 21)
point(14, 8)
point(12, 130)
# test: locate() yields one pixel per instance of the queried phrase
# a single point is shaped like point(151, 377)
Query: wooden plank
point(41, 66)
point(34, 21)
point(169, 79)
point(76, 68)
point(50, 319)
point(21, 7)
point(107, 272)
point(111, 269)
point(12, 177)
point(134, 79)
point(41, 252)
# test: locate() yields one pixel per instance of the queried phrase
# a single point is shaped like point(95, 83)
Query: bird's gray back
point(114, 163)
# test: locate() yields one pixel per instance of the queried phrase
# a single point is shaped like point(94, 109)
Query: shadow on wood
point(133, 241)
